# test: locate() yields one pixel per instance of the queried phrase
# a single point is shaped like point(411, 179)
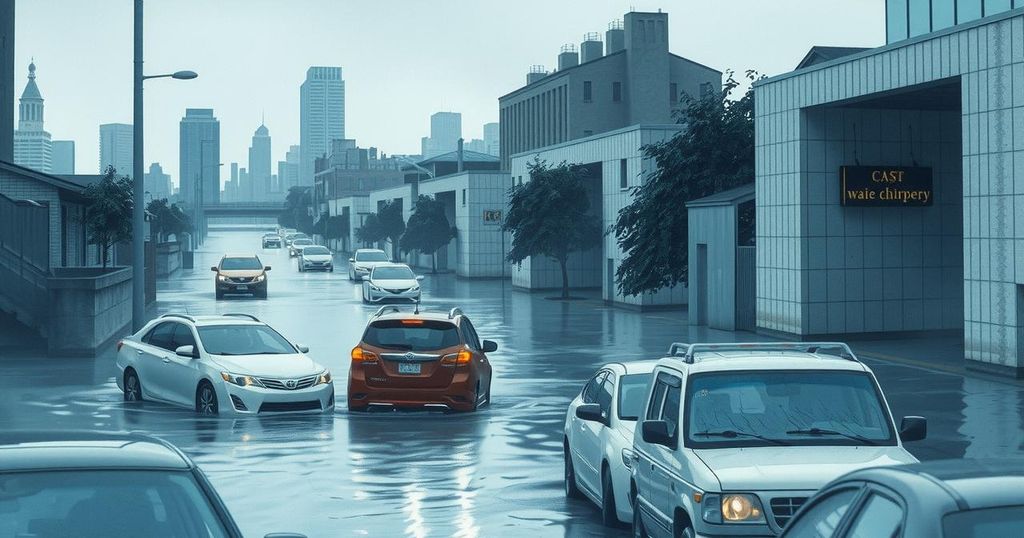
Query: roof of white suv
point(222, 319)
point(761, 356)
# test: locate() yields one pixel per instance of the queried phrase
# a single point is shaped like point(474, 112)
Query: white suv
point(735, 437)
point(221, 365)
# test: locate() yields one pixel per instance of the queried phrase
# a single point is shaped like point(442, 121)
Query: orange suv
point(413, 359)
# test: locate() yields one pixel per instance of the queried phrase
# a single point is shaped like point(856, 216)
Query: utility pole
point(138, 188)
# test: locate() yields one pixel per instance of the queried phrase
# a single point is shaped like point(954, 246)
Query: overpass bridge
point(244, 209)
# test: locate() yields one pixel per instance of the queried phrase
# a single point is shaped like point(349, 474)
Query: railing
point(25, 257)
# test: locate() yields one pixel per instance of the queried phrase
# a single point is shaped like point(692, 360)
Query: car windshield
point(632, 390)
point(241, 264)
point(243, 340)
point(300, 242)
point(392, 273)
point(412, 335)
point(1001, 521)
point(371, 256)
point(798, 407)
point(105, 503)
point(315, 250)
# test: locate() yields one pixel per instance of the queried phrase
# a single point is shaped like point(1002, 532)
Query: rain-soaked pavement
point(494, 473)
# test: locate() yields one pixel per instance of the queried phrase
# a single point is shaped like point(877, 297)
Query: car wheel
point(132, 387)
point(572, 491)
point(688, 532)
point(638, 524)
point(206, 400)
point(609, 516)
point(220, 294)
point(262, 294)
point(331, 269)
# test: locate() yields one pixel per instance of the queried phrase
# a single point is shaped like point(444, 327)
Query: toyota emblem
point(290, 383)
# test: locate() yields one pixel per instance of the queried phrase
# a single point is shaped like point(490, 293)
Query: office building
point(259, 165)
point(288, 169)
point(321, 116)
point(492, 138)
point(32, 146)
point(158, 184)
point(199, 157)
point(888, 184)
point(64, 157)
point(445, 132)
point(116, 148)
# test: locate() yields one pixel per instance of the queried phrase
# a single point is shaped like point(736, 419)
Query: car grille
point(282, 407)
point(399, 290)
point(283, 384)
point(783, 508)
point(241, 279)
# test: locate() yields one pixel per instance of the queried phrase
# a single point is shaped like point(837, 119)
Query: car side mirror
point(351, 260)
point(267, 268)
point(187, 351)
point(419, 278)
point(302, 348)
point(659, 432)
point(913, 429)
point(591, 412)
point(214, 268)
point(490, 346)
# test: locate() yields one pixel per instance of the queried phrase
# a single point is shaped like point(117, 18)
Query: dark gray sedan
point(952, 498)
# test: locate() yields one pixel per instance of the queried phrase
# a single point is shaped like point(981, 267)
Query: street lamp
point(138, 186)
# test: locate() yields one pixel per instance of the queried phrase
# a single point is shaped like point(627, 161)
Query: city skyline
point(383, 109)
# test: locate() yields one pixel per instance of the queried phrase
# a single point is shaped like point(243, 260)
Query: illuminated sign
point(883, 186)
point(492, 216)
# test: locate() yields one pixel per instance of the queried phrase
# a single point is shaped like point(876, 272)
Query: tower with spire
point(32, 145)
point(259, 165)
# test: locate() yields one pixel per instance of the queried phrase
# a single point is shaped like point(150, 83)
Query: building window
point(616, 92)
point(920, 17)
point(588, 133)
point(895, 20)
point(706, 89)
point(673, 93)
point(463, 196)
point(588, 94)
point(996, 6)
point(943, 14)
point(968, 10)
point(623, 178)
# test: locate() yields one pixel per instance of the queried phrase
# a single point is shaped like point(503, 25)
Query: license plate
point(242, 287)
point(409, 368)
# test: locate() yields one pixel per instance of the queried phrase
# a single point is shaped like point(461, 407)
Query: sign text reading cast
point(885, 186)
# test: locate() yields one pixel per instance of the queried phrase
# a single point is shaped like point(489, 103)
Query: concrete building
point(63, 156)
point(321, 116)
point(475, 144)
point(199, 157)
point(116, 148)
point(259, 166)
point(445, 132)
point(288, 169)
point(889, 181)
point(7, 81)
point(635, 81)
point(351, 171)
point(32, 145)
point(158, 184)
point(492, 139)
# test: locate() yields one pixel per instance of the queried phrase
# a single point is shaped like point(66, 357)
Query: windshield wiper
point(732, 434)
point(822, 431)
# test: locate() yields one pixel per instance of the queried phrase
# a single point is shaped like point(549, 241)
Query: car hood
point(245, 273)
point(794, 467)
point(317, 257)
point(278, 366)
point(395, 284)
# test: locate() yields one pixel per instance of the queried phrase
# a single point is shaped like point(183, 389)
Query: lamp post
point(138, 186)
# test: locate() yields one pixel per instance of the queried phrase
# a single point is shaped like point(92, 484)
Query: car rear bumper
point(458, 396)
point(261, 401)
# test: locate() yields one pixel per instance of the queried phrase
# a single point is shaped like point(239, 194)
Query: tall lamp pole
point(138, 186)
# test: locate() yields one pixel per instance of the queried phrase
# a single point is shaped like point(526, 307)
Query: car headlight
point(375, 288)
point(222, 278)
point(732, 508)
point(414, 288)
point(261, 278)
point(627, 457)
point(325, 377)
point(241, 380)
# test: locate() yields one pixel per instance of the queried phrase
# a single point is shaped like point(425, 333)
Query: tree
point(713, 153)
point(371, 232)
point(108, 213)
point(166, 220)
point(550, 216)
point(428, 229)
point(336, 227)
point(392, 224)
point(296, 211)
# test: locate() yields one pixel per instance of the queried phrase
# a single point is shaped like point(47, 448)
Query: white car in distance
point(229, 364)
point(315, 258)
point(365, 259)
point(598, 438)
point(392, 281)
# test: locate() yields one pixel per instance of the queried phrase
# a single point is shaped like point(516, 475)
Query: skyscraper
point(116, 147)
point(158, 184)
point(259, 164)
point(32, 145)
point(492, 140)
point(321, 116)
point(445, 132)
point(288, 169)
point(63, 156)
point(199, 156)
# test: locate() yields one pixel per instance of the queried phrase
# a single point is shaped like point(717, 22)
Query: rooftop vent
point(615, 37)
point(568, 57)
point(591, 48)
point(537, 72)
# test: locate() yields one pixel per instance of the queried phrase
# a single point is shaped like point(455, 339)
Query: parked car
point(229, 364)
point(734, 438)
point(598, 442)
point(297, 244)
point(363, 260)
point(271, 240)
point(951, 499)
point(315, 258)
point(417, 359)
point(391, 282)
point(240, 273)
point(100, 485)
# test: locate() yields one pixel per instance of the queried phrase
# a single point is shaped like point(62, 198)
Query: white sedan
point(599, 437)
point(315, 258)
point(393, 281)
point(364, 260)
point(230, 364)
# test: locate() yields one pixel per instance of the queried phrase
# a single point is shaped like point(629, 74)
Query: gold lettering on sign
point(887, 176)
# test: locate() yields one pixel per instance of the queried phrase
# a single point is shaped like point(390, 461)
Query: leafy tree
point(713, 153)
point(296, 210)
point(167, 220)
point(336, 227)
point(108, 214)
point(371, 232)
point(428, 229)
point(550, 216)
point(392, 224)
point(320, 227)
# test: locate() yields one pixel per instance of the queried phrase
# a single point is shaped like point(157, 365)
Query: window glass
point(162, 336)
point(673, 93)
point(392, 273)
point(1002, 521)
point(967, 10)
point(670, 411)
point(588, 94)
point(243, 340)
point(591, 390)
point(943, 14)
point(604, 394)
point(616, 91)
point(183, 336)
point(371, 256)
point(241, 264)
point(896, 19)
point(880, 518)
point(996, 6)
point(632, 389)
point(822, 519)
point(469, 334)
point(412, 335)
point(623, 175)
point(315, 251)
point(657, 397)
point(920, 17)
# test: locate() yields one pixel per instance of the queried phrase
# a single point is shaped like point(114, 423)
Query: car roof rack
point(241, 315)
point(688, 352)
point(455, 312)
point(385, 309)
point(182, 316)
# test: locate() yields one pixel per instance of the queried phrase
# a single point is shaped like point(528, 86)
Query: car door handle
point(167, 360)
point(138, 352)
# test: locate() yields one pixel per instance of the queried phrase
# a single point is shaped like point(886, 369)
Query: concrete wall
point(714, 227)
point(88, 307)
point(168, 258)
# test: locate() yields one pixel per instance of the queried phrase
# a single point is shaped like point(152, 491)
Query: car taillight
point(363, 356)
point(462, 357)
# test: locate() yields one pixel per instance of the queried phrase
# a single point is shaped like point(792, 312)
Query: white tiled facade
point(592, 269)
point(826, 269)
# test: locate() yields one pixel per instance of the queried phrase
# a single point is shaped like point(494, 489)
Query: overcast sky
point(402, 59)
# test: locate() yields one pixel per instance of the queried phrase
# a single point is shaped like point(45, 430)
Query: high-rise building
point(288, 169)
point(492, 138)
point(476, 145)
point(158, 184)
point(64, 157)
point(259, 164)
point(321, 116)
point(32, 145)
point(116, 147)
point(199, 156)
point(445, 132)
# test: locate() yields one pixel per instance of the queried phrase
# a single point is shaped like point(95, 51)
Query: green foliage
point(392, 224)
point(550, 216)
point(296, 210)
point(428, 228)
point(371, 232)
point(713, 153)
point(337, 227)
point(108, 214)
point(166, 220)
